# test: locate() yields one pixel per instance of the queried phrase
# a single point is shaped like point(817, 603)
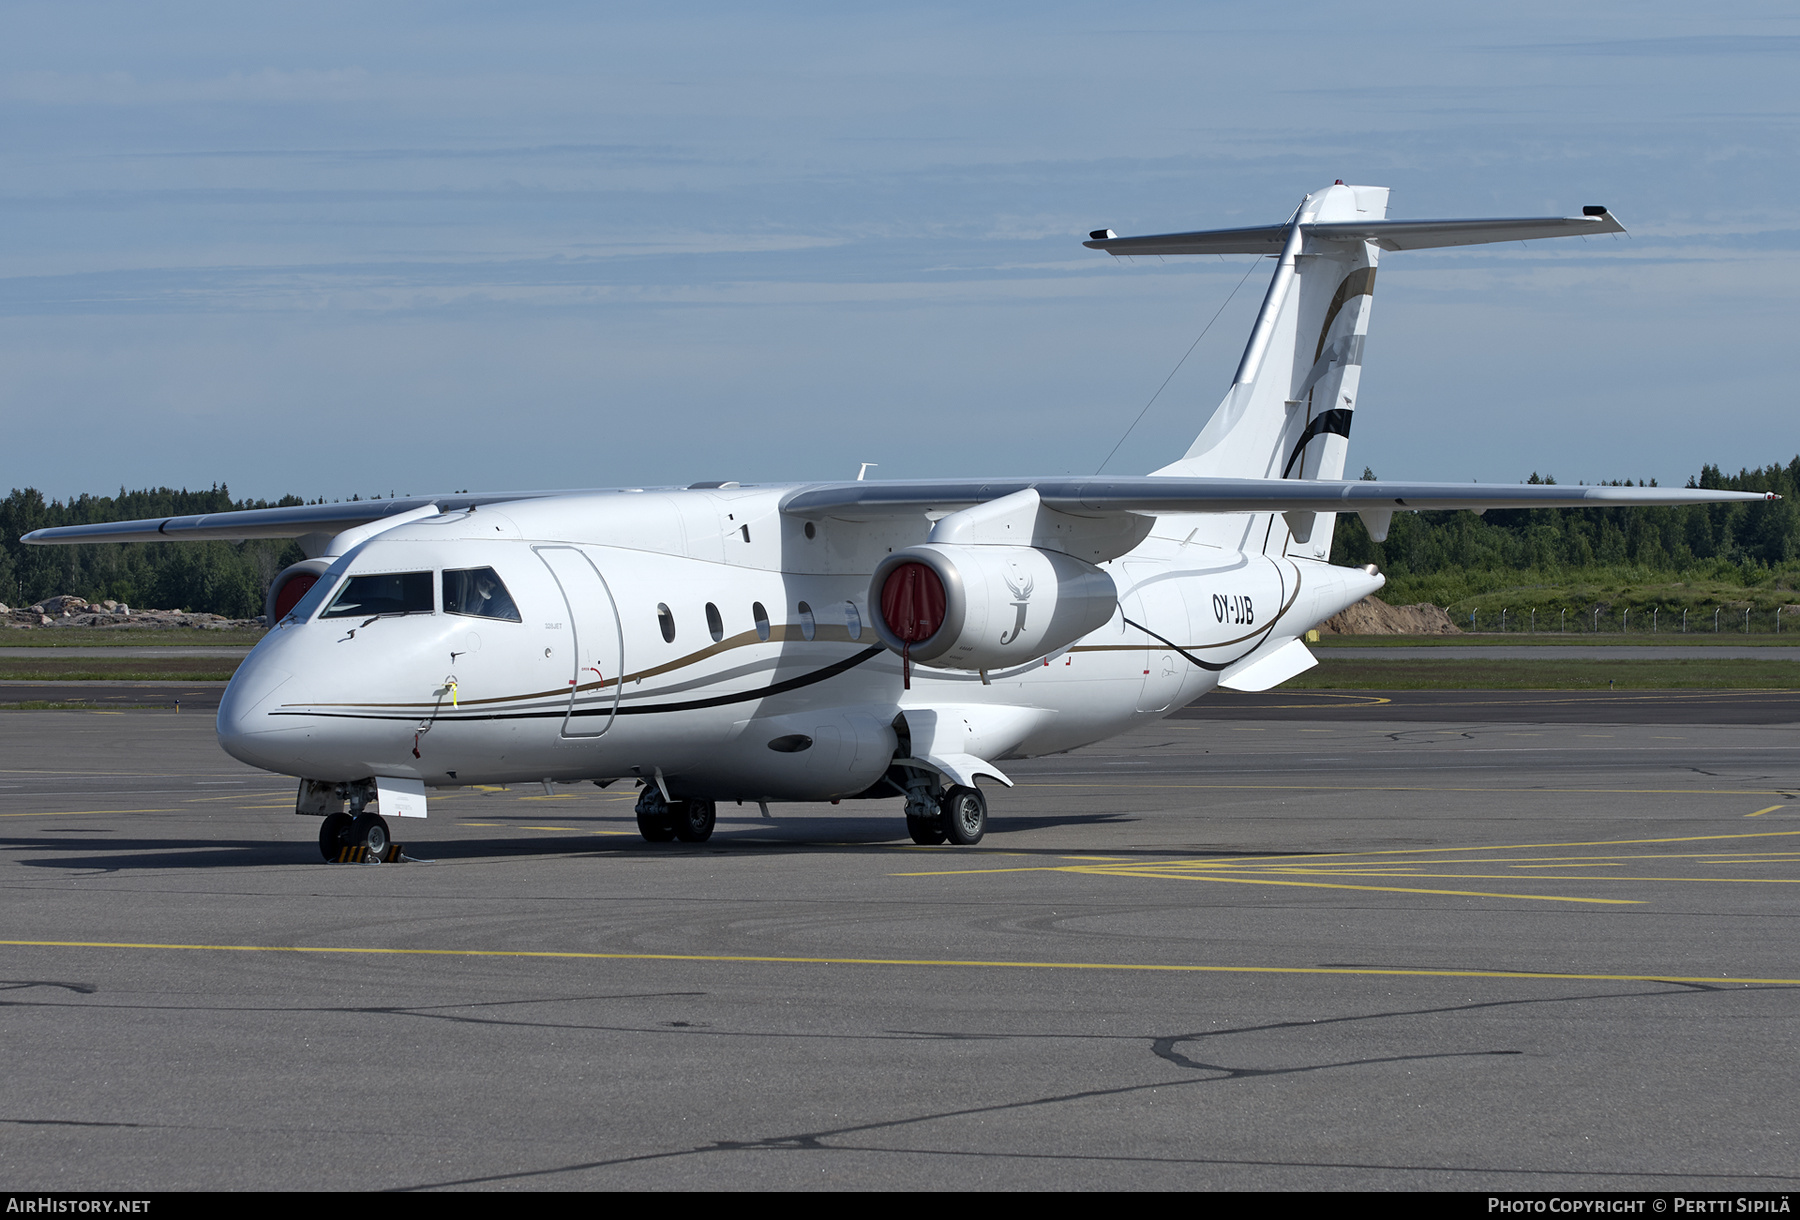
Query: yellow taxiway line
point(916, 962)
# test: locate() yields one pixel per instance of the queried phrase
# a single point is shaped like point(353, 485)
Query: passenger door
point(598, 641)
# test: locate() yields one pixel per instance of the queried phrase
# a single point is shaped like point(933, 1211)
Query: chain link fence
point(1629, 620)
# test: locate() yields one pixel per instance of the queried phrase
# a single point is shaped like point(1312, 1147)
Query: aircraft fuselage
point(705, 636)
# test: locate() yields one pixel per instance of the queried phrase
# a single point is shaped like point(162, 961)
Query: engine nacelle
point(986, 607)
point(289, 586)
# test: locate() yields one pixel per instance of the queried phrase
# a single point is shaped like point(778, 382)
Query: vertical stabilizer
point(1288, 412)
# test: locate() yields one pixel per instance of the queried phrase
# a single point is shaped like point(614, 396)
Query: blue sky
point(343, 248)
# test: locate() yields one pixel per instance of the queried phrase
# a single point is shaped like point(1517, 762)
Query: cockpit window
point(388, 593)
point(311, 600)
point(480, 592)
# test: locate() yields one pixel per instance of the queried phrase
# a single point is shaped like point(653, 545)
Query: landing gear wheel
point(927, 832)
point(694, 820)
point(656, 817)
point(334, 834)
point(965, 815)
point(370, 832)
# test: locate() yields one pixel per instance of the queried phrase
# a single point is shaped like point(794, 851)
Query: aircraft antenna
point(1254, 263)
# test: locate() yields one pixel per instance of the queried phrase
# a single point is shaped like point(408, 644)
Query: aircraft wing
point(866, 500)
point(295, 521)
point(1388, 234)
point(1153, 495)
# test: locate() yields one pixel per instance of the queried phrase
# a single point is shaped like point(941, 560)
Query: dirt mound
point(1372, 616)
point(67, 610)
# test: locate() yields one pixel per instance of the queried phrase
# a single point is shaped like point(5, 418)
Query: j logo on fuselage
point(1023, 603)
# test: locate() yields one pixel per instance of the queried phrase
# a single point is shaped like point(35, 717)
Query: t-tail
point(1291, 403)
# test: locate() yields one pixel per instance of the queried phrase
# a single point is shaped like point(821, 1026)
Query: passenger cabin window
point(665, 618)
point(388, 593)
point(762, 620)
point(478, 592)
point(853, 620)
point(715, 625)
point(807, 627)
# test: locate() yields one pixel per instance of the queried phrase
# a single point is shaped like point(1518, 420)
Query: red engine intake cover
point(912, 602)
point(289, 595)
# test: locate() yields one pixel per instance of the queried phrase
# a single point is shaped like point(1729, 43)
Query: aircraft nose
point(246, 730)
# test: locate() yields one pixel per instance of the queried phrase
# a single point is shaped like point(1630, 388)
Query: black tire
point(694, 821)
point(927, 832)
point(965, 816)
point(369, 832)
point(656, 827)
point(334, 835)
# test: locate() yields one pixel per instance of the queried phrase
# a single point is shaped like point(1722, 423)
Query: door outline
point(588, 629)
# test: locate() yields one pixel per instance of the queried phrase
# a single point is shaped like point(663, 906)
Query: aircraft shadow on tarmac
point(834, 836)
point(118, 855)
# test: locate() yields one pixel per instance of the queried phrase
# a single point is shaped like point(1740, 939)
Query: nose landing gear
point(354, 840)
point(355, 837)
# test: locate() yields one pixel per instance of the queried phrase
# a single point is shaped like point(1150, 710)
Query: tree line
point(1736, 553)
point(1444, 558)
point(226, 578)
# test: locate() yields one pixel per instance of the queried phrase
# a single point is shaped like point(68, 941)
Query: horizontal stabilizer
point(1387, 234)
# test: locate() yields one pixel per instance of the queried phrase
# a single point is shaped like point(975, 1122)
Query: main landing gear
point(965, 815)
point(660, 820)
point(935, 814)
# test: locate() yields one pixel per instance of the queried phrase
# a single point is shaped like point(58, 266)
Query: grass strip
point(125, 669)
point(45, 705)
point(1338, 672)
point(1523, 639)
point(125, 637)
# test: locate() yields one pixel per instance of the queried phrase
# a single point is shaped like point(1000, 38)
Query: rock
point(1372, 616)
point(67, 610)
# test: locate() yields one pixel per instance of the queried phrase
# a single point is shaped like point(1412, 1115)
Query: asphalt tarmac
point(1429, 706)
point(1339, 950)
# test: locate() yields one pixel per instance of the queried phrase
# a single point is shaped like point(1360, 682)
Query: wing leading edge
point(1154, 495)
point(296, 521)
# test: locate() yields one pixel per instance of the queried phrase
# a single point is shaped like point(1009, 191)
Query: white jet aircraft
point(734, 641)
